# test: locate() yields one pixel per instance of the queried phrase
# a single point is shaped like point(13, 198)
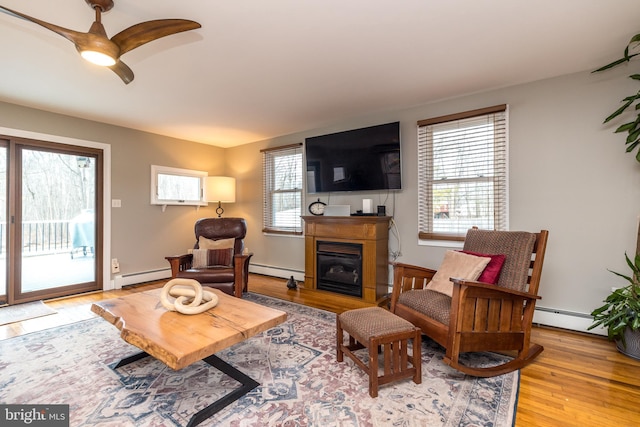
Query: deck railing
point(41, 237)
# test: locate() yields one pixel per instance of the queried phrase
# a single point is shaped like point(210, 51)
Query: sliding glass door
point(54, 222)
point(3, 220)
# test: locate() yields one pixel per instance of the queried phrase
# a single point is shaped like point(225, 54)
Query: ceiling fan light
point(98, 58)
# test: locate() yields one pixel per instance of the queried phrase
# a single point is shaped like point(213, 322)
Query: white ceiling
point(264, 68)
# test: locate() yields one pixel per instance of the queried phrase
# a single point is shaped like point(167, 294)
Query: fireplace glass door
point(339, 267)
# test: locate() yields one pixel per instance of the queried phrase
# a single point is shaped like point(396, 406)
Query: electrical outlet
point(115, 266)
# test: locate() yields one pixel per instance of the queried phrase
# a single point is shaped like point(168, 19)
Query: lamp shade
point(220, 189)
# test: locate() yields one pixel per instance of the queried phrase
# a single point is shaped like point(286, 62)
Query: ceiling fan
point(96, 47)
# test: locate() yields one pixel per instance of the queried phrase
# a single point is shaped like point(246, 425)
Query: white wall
point(568, 174)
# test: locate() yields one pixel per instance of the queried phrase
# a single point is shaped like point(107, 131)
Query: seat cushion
point(215, 274)
point(433, 304)
point(366, 323)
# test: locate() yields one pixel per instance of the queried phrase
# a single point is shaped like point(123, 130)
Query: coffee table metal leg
point(246, 385)
point(131, 359)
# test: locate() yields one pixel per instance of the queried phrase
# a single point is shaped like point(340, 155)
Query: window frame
point(157, 170)
point(268, 191)
point(426, 181)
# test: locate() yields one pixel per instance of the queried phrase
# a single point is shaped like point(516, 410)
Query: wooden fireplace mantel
point(372, 232)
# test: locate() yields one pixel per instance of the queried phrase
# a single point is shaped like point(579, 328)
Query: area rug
point(26, 311)
point(295, 363)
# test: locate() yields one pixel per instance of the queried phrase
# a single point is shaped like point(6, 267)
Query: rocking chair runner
point(479, 316)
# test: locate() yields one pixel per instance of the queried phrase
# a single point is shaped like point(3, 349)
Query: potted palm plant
point(631, 128)
point(621, 312)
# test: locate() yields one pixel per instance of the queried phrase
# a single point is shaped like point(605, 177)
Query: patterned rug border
point(302, 384)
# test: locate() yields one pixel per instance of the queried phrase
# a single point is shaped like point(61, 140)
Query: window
point(462, 173)
point(173, 186)
point(282, 186)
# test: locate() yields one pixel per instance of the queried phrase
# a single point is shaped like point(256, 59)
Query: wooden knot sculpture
point(188, 300)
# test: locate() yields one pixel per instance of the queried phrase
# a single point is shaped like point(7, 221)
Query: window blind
point(282, 189)
point(462, 176)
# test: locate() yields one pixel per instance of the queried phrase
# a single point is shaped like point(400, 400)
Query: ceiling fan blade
point(123, 71)
point(148, 31)
point(74, 37)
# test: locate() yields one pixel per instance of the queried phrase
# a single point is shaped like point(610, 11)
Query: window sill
point(453, 244)
point(272, 234)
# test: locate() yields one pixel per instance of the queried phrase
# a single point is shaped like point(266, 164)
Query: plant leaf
point(613, 64)
point(627, 126)
point(631, 147)
point(618, 111)
point(627, 278)
point(633, 136)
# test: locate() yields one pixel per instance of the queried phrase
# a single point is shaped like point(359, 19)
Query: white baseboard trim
point(141, 277)
point(284, 273)
point(566, 319)
point(148, 276)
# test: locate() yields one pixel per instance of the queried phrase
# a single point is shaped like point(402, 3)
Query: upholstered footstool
point(378, 330)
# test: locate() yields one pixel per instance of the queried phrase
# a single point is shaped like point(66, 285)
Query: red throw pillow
point(491, 272)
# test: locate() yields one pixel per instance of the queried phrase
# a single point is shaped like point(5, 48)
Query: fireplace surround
point(346, 258)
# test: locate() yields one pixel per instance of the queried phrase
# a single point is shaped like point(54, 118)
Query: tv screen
point(355, 160)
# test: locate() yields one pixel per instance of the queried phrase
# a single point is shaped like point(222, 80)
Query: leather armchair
point(231, 280)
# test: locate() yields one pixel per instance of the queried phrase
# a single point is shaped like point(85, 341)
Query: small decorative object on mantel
point(317, 207)
point(291, 283)
point(188, 301)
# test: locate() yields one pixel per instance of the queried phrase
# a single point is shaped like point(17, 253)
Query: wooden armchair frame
point(231, 279)
point(184, 262)
point(482, 317)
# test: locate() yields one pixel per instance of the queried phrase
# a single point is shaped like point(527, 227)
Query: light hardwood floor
point(579, 380)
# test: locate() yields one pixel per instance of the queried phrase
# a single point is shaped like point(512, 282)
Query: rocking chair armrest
point(411, 270)
point(493, 288)
point(407, 277)
point(179, 263)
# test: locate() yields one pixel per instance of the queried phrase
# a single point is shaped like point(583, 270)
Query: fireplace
point(339, 267)
point(348, 243)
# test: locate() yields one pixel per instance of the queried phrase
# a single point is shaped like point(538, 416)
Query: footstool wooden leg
point(339, 340)
point(373, 369)
point(417, 357)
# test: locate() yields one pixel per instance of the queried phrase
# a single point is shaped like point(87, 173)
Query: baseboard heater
point(269, 270)
point(165, 273)
point(566, 319)
point(141, 277)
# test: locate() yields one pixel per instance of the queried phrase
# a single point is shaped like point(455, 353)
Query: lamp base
point(219, 210)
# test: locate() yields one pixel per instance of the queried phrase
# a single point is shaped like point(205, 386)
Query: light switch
point(116, 203)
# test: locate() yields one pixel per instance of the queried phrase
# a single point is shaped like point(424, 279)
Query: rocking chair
point(479, 317)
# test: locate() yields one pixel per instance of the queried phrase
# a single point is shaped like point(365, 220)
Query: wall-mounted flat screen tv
point(363, 159)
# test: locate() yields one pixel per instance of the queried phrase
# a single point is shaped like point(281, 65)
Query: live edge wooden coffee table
point(178, 340)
